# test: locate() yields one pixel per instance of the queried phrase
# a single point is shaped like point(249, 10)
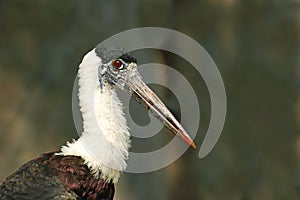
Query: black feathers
point(53, 176)
point(109, 54)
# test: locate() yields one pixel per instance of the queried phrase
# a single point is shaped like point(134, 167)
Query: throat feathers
point(105, 140)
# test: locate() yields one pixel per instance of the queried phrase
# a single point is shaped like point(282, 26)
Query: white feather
point(105, 139)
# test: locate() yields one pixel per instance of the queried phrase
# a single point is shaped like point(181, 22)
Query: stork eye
point(118, 64)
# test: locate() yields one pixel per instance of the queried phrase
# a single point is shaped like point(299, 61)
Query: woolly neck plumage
point(105, 139)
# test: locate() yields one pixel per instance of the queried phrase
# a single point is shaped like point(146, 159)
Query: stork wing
point(53, 176)
point(35, 181)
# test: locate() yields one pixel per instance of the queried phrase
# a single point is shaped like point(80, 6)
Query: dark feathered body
point(55, 177)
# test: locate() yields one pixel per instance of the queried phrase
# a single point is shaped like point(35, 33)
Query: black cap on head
point(108, 54)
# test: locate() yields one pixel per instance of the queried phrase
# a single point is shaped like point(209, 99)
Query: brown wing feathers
point(55, 177)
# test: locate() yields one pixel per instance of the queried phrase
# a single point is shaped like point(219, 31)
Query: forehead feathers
point(108, 54)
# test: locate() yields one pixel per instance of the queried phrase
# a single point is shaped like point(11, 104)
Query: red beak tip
point(193, 145)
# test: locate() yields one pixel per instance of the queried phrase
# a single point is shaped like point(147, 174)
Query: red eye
point(117, 64)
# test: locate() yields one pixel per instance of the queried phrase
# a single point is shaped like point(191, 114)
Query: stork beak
point(149, 100)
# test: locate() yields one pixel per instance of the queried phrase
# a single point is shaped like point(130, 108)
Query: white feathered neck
point(105, 139)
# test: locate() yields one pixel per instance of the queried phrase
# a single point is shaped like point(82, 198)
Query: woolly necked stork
point(88, 168)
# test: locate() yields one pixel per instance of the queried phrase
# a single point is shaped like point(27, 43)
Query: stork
point(89, 167)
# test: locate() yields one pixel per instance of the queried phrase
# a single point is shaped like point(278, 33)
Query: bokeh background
point(255, 45)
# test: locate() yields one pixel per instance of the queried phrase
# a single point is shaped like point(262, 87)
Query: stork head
point(119, 69)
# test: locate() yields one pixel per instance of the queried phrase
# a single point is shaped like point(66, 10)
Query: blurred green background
point(255, 44)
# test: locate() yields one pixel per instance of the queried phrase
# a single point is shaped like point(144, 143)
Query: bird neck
point(105, 139)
